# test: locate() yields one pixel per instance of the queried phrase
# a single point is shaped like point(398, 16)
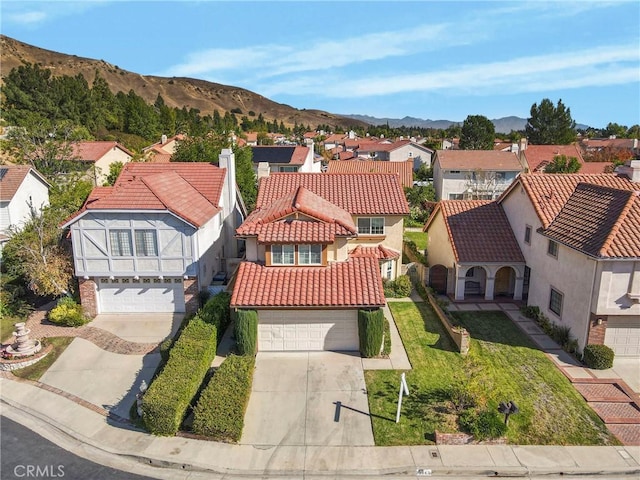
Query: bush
point(370, 330)
point(222, 404)
point(400, 287)
point(68, 313)
point(165, 348)
point(530, 311)
point(246, 332)
point(386, 347)
point(599, 357)
point(483, 424)
point(166, 401)
point(216, 311)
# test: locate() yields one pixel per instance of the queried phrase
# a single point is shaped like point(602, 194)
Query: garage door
point(143, 296)
point(308, 330)
point(623, 336)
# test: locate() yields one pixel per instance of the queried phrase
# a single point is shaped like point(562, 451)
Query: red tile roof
point(549, 192)
point(358, 194)
point(379, 251)
point(94, 151)
point(599, 221)
point(539, 155)
point(596, 167)
point(12, 177)
point(189, 190)
point(479, 231)
point(403, 169)
point(478, 160)
point(274, 223)
point(354, 283)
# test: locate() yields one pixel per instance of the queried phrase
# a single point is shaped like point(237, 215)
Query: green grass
point(419, 238)
point(502, 365)
point(7, 323)
point(35, 371)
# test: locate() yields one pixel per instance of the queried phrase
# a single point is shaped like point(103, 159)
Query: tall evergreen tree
point(478, 133)
point(550, 125)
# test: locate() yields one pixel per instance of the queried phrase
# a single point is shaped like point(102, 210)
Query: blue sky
point(436, 60)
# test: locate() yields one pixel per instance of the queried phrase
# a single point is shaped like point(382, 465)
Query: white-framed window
point(146, 243)
point(310, 254)
point(288, 169)
point(371, 226)
point(552, 249)
point(527, 234)
point(120, 243)
point(387, 270)
point(456, 196)
point(283, 255)
point(555, 301)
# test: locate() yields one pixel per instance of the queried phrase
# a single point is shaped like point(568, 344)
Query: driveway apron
point(308, 398)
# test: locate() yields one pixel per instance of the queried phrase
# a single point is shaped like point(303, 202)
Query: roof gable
point(94, 151)
point(11, 178)
point(358, 194)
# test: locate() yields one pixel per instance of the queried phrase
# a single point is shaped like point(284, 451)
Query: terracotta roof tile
point(358, 194)
point(354, 283)
point(539, 155)
point(94, 151)
point(403, 169)
point(596, 167)
point(11, 178)
point(479, 231)
point(550, 191)
point(599, 221)
point(478, 160)
point(379, 251)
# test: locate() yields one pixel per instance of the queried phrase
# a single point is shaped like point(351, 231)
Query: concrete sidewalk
point(93, 436)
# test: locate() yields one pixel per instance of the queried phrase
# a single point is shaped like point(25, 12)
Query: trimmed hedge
point(166, 401)
point(599, 357)
point(217, 312)
point(246, 332)
point(67, 313)
point(370, 331)
point(220, 410)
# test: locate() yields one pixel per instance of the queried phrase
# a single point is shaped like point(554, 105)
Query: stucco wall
point(31, 192)
point(613, 284)
point(103, 164)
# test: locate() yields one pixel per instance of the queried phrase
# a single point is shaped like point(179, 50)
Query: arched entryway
point(505, 282)
point(438, 278)
point(475, 282)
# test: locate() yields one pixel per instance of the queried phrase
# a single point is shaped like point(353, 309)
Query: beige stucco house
point(99, 156)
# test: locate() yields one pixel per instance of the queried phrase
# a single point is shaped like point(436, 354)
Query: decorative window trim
point(120, 244)
point(366, 226)
point(146, 241)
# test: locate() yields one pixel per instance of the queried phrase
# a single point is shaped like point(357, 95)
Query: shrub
point(165, 348)
point(222, 404)
point(166, 401)
point(483, 424)
point(246, 332)
point(216, 311)
point(68, 313)
point(599, 357)
point(530, 311)
point(370, 330)
point(386, 347)
point(400, 287)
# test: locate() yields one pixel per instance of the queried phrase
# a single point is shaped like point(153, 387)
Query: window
point(552, 249)
point(282, 255)
point(388, 270)
point(288, 169)
point(527, 234)
point(310, 254)
point(555, 301)
point(120, 241)
point(371, 226)
point(456, 196)
point(146, 245)
point(454, 171)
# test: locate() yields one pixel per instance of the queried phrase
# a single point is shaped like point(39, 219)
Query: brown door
point(438, 278)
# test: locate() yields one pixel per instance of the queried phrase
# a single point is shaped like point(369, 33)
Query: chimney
point(263, 170)
point(631, 170)
point(522, 158)
point(163, 139)
point(230, 213)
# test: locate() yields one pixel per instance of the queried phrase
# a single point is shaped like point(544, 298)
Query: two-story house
point(404, 170)
point(398, 151)
point(317, 249)
point(23, 191)
point(473, 174)
point(269, 159)
point(156, 238)
point(99, 156)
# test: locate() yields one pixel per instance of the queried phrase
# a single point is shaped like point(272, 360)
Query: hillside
point(176, 91)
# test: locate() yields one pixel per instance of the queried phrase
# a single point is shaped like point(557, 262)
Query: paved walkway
point(613, 400)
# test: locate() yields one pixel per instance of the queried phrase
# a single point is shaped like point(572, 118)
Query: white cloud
point(27, 18)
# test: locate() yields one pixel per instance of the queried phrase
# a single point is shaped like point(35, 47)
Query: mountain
point(502, 125)
point(176, 91)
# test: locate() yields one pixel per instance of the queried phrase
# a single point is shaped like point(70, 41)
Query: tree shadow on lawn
point(494, 327)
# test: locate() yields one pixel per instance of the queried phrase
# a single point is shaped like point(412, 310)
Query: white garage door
point(141, 297)
point(308, 330)
point(623, 336)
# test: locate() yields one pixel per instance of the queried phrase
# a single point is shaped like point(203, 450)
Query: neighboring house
point(536, 157)
point(317, 249)
point(473, 252)
point(156, 238)
point(292, 159)
point(100, 156)
point(399, 151)
point(404, 170)
point(162, 151)
point(22, 191)
point(473, 174)
point(592, 145)
point(578, 236)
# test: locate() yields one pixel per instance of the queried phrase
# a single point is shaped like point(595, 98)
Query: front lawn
point(419, 238)
point(502, 365)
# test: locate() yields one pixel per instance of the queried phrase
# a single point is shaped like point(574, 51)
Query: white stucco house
point(269, 159)
point(156, 238)
point(474, 174)
point(398, 151)
point(22, 191)
point(576, 253)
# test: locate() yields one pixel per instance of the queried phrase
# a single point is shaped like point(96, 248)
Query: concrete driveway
point(106, 379)
point(308, 398)
point(628, 369)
